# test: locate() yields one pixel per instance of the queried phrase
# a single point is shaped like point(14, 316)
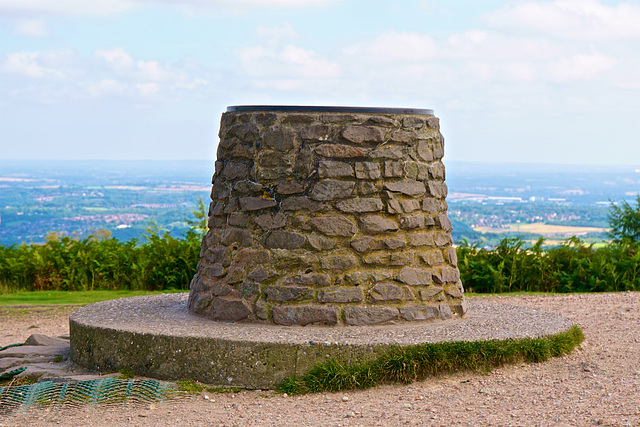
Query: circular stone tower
point(328, 215)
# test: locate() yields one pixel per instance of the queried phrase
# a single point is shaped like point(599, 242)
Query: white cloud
point(404, 46)
point(52, 64)
point(289, 61)
point(581, 67)
point(123, 64)
point(277, 33)
point(106, 87)
point(30, 28)
point(576, 19)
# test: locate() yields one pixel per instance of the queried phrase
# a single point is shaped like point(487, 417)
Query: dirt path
point(598, 384)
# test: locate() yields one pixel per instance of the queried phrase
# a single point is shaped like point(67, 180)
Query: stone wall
point(328, 218)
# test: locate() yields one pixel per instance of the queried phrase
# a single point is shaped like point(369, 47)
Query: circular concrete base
point(156, 336)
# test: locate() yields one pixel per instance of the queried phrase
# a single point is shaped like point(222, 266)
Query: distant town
point(122, 199)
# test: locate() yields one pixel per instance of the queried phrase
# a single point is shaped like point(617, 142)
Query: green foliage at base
point(417, 362)
point(50, 298)
point(572, 267)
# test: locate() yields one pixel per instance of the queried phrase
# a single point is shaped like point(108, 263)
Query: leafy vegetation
point(624, 221)
point(417, 362)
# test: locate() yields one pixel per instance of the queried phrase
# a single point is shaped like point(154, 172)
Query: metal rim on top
point(328, 109)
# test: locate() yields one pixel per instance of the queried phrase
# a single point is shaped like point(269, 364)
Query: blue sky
point(512, 81)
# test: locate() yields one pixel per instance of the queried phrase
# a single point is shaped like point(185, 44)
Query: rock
point(233, 170)
point(367, 170)
point(421, 239)
point(230, 309)
point(288, 293)
point(411, 222)
point(334, 226)
point(415, 313)
point(270, 221)
point(253, 256)
point(375, 224)
point(236, 235)
point(386, 258)
point(386, 153)
point(341, 295)
point(247, 187)
point(363, 134)
point(414, 277)
point(445, 311)
point(366, 243)
point(260, 274)
point(289, 187)
point(282, 139)
point(413, 122)
point(387, 291)
point(393, 169)
point(248, 290)
point(300, 203)
point(305, 314)
point(424, 151)
point(284, 240)
point(256, 203)
point(333, 169)
point(320, 243)
point(331, 189)
point(314, 133)
point(436, 170)
point(437, 189)
point(338, 262)
point(396, 206)
point(339, 151)
point(314, 279)
point(361, 316)
point(44, 340)
point(407, 187)
point(360, 205)
point(434, 293)
point(443, 222)
point(432, 257)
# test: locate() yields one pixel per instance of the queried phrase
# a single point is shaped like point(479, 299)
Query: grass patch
point(417, 362)
point(125, 373)
point(70, 297)
point(191, 386)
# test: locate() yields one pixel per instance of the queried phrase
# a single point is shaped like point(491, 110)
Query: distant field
point(542, 229)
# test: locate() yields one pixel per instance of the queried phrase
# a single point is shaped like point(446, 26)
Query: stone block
point(334, 169)
point(445, 311)
point(334, 226)
point(386, 258)
point(412, 222)
point(269, 221)
point(279, 239)
point(432, 293)
point(443, 222)
point(387, 291)
point(367, 170)
point(289, 187)
point(248, 290)
point(393, 169)
point(367, 187)
point(416, 170)
point(432, 257)
point(235, 170)
point(230, 309)
point(339, 262)
point(256, 203)
point(314, 279)
point(252, 256)
point(407, 187)
point(320, 243)
point(443, 275)
point(339, 151)
point(288, 293)
point(260, 274)
point(362, 316)
point(331, 189)
point(232, 235)
point(414, 277)
point(437, 189)
point(394, 153)
point(424, 151)
point(417, 313)
point(281, 139)
point(421, 239)
point(305, 315)
point(413, 122)
point(314, 132)
point(402, 136)
point(398, 206)
point(443, 239)
point(393, 243)
point(364, 134)
point(452, 256)
point(300, 203)
point(436, 170)
point(245, 132)
point(454, 291)
point(366, 243)
point(341, 295)
point(360, 205)
point(433, 206)
point(376, 224)
point(238, 219)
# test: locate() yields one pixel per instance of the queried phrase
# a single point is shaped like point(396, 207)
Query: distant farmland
point(542, 229)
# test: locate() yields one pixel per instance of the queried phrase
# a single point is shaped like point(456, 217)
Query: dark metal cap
point(329, 109)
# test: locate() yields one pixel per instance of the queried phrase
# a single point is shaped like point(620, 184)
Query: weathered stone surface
point(289, 187)
point(362, 316)
point(424, 152)
point(398, 206)
point(341, 295)
point(454, 291)
point(253, 256)
point(445, 311)
point(386, 258)
point(393, 244)
point(261, 309)
point(432, 205)
point(334, 169)
point(270, 221)
point(432, 257)
point(415, 313)
point(338, 262)
point(421, 239)
point(452, 256)
point(437, 189)
point(332, 189)
point(300, 203)
point(376, 224)
point(386, 153)
point(334, 226)
point(367, 170)
point(443, 239)
point(393, 169)
point(201, 302)
point(235, 274)
point(411, 222)
point(443, 275)
point(305, 314)
point(443, 222)
point(414, 277)
point(387, 291)
point(238, 219)
point(416, 170)
point(435, 293)
point(363, 134)
point(402, 136)
point(288, 293)
point(272, 158)
point(407, 187)
point(236, 235)
point(320, 243)
point(413, 122)
point(256, 203)
point(314, 133)
point(433, 122)
point(260, 274)
point(460, 308)
point(314, 279)
point(282, 139)
point(233, 170)
point(367, 187)
point(436, 170)
point(339, 151)
point(230, 309)
point(366, 243)
point(248, 290)
point(360, 205)
point(284, 240)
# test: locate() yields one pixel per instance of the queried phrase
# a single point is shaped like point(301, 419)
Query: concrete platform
point(155, 336)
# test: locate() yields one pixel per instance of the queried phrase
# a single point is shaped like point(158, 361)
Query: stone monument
point(328, 215)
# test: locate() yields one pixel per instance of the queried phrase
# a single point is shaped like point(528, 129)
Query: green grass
point(69, 298)
point(414, 363)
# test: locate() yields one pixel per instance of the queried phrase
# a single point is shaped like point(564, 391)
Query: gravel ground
point(598, 384)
